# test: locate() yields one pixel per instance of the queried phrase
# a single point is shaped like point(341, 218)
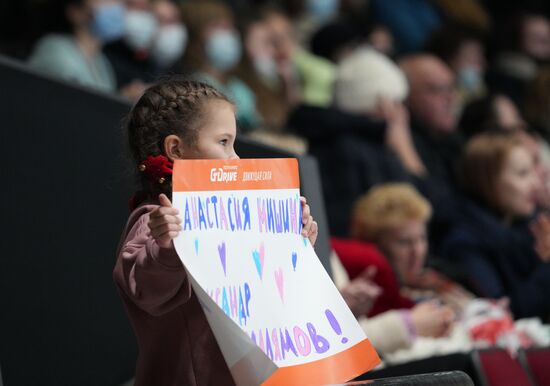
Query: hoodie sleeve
point(153, 278)
point(387, 332)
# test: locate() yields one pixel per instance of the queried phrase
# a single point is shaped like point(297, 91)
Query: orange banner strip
point(338, 368)
point(245, 174)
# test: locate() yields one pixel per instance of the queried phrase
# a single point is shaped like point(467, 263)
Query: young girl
point(174, 119)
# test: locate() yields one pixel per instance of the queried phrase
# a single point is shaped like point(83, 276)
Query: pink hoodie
point(176, 344)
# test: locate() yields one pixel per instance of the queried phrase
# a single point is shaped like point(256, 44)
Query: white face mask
point(141, 27)
point(169, 44)
point(223, 49)
point(266, 67)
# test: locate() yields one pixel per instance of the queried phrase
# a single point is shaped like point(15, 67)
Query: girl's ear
point(173, 147)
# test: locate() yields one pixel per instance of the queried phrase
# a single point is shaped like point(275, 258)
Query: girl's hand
point(164, 223)
point(310, 229)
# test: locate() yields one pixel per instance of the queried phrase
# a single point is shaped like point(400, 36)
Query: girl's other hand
point(310, 229)
point(164, 223)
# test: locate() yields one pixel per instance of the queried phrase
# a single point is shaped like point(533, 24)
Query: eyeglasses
point(442, 88)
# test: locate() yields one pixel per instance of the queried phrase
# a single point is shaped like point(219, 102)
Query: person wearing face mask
point(214, 51)
point(492, 240)
point(171, 38)
point(258, 70)
point(154, 39)
point(464, 52)
point(73, 52)
point(129, 55)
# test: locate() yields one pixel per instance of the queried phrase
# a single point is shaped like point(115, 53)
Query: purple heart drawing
point(294, 260)
point(221, 251)
point(279, 279)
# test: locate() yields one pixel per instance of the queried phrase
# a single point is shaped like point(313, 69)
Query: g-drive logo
point(221, 175)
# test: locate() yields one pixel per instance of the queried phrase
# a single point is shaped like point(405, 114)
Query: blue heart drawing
point(294, 260)
point(196, 246)
point(258, 257)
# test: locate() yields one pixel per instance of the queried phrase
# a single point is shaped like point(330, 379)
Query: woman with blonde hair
point(395, 217)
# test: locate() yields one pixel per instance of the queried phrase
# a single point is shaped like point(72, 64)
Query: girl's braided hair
point(172, 106)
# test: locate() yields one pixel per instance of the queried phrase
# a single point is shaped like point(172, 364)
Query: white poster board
point(274, 310)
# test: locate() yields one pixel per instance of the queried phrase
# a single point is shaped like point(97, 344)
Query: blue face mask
point(108, 22)
point(223, 49)
point(470, 78)
point(323, 10)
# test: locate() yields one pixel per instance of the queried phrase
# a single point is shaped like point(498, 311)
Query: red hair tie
point(157, 168)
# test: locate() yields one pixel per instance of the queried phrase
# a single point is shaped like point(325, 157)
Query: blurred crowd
point(430, 121)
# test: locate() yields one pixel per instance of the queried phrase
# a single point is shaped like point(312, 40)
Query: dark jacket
point(351, 154)
point(499, 260)
point(440, 154)
point(130, 65)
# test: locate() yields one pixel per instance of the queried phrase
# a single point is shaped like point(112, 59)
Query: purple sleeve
point(152, 277)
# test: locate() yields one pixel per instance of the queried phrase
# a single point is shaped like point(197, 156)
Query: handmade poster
point(275, 313)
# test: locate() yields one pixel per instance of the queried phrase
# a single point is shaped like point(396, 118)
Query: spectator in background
point(258, 69)
point(523, 43)
point(306, 77)
point(392, 330)
point(463, 51)
point(214, 50)
point(491, 238)
point(74, 52)
point(369, 82)
point(432, 103)
point(129, 55)
point(353, 27)
point(171, 37)
point(394, 217)
point(154, 39)
point(364, 138)
point(411, 22)
point(493, 112)
point(498, 113)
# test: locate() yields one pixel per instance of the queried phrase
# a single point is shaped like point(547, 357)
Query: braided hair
point(172, 106)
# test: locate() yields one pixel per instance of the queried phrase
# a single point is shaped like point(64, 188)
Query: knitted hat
point(363, 77)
